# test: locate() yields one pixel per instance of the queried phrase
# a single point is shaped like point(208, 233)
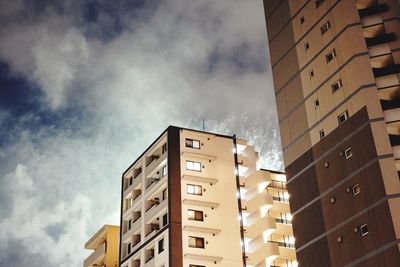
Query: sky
point(87, 85)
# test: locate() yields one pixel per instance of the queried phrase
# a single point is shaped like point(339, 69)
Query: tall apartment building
point(105, 245)
point(197, 199)
point(336, 68)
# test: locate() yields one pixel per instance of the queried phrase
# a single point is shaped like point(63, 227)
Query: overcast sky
point(86, 86)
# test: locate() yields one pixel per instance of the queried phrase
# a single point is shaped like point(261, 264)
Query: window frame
point(345, 114)
point(190, 143)
point(336, 85)
point(193, 164)
point(348, 155)
point(355, 189)
point(194, 189)
point(363, 232)
point(316, 103)
point(160, 245)
point(324, 28)
point(196, 239)
point(330, 56)
point(322, 134)
point(195, 217)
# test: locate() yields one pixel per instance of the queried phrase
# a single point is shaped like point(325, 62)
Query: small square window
point(160, 246)
point(311, 73)
point(355, 190)
point(363, 230)
point(193, 166)
point(302, 20)
point(348, 153)
point(322, 133)
point(192, 143)
point(318, 3)
point(336, 85)
point(343, 117)
point(195, 215)
point(196, 242)
point(324, 28)
point(194, 189)
point(306, 46)
point(330, 56)
point(316, 103)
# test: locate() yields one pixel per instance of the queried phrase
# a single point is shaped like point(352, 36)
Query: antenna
point(204, 125)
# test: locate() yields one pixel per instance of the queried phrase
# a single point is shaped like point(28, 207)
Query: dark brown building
point(336, 68)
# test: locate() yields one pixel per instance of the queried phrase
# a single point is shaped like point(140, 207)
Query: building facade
point(197, 199)
point(105, 245)
point(336, 68)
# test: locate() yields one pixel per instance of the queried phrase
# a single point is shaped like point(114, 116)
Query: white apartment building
point(197, 199)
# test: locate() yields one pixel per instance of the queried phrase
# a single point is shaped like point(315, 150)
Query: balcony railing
point(285, 221)
point(391, 69)
point(373, 10)
point(281, 199)
point(283, 244)
point(277, 184)
point(380, 39)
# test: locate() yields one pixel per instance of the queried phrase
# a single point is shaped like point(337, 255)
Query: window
point(311, 73)
point(164, 148)
point(343, 117)
point(160, 246)
point(330, 56)
point(129, 248)
point(195, 215)
point(193, 166)
point(355, 190)
point(324, 28)
point(165, 219)
point(193, 143)
point(129, 224)
point(164, 194)
point(336, 85)
point(322, 134)
point(302, 20)
point(196, 242)
point(318, 3)
point(316, 103)
point(306, 46)
point(348, 153)
point(130, 180)
point(194, 189)
point(363, 230)
point(164, 170)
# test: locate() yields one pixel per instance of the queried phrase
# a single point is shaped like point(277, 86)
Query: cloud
point(114, 75)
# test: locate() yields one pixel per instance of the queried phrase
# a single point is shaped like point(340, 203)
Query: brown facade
point(342, 175)
point(174, 196)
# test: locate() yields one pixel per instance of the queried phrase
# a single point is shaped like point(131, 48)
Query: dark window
point(311, 73)
point(164, 194)
point(194, 189)
point(343, 117)
point(336, 85)
point(302, 20)
point(363, 230)
point(318, 3)
point(165, 219)
point(306, 46)
point(196, 242)
point(160, 246)
point(195, 215)
point(192, 143)
point(330, 56)
point(316, 103)
point(322, 133)
point(325, 27)
point(129, 224)
point(164, 148)
point(129, 248)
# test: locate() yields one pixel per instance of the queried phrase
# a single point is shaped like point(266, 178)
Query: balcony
point(96, 257)
point(391, 69)
point(258, 255)
point(259, 226)
point(255, 178)
point(373, 10)
point(135, 227)
point(149, 256)
point(155, 211)
point(390, 104)
point(380, 39)
point(155, 163)
point(261, 199)
point(152, 229)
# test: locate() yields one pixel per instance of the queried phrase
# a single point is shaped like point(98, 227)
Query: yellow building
point(105, 244)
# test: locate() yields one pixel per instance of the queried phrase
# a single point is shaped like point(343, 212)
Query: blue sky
point(85, 86)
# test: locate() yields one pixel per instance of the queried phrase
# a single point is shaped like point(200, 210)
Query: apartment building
point(336, 68)
point(105, 245)
point(198, 199)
